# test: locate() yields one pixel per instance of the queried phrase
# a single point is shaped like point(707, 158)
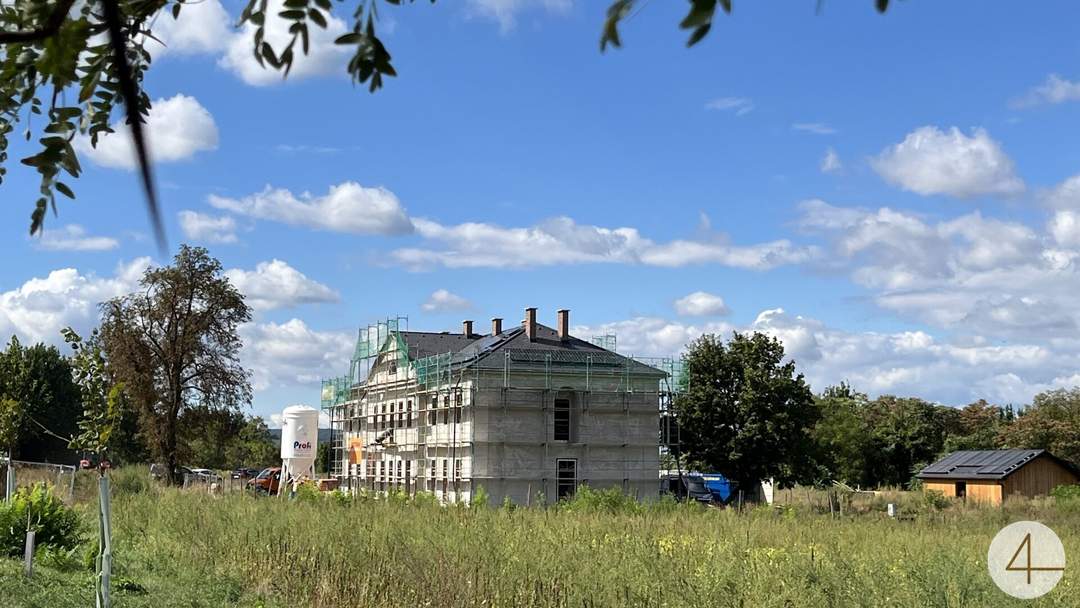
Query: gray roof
point(984, 464)
point(491, 350)
point(427, 343)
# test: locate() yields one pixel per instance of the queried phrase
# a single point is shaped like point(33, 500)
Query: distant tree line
point(747, 413)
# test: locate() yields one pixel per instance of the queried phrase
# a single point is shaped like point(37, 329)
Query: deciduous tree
point(747, 411)
point(174, 344)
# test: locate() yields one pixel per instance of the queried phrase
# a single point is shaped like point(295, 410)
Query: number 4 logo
point(1028, 568)
point(1031, 548)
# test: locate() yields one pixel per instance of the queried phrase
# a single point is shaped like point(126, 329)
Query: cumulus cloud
point(932, 161)
point(323, 57)
point(177, 128)
point(1065, 195)
point(701, 304)
point(292, 353)
point(563, 241)
point(275, 284)
point(740, 106)
point(442, 300)
point(202, 27)
point(74, 237)
point(1054, 91)
point(347, 207)
point(816, 128)
point(37, 310)
point(505, 12)
point(830, 163)
point(207, 228)
point(904, 362)
point(971, 274)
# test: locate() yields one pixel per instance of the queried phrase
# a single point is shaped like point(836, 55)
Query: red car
point(267, 481)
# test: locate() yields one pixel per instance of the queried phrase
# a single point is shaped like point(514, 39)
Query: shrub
point(611, 500)
point(307, 492)
point(54, 523)
point(479, 498)
point(936, 500)
point(1069, 493)
point(129, 480)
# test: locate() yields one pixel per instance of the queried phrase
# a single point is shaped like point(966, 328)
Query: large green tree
point(40, 401)
point(747, 411)
point(174, 344)
point(73, 63)
point(225, 438)
point(903, 434)
point(1051, 422)
point(840, 439)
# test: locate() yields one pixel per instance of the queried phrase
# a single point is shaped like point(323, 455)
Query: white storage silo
point(299, 443)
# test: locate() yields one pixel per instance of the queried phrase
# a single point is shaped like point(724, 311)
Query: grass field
point(178, 548)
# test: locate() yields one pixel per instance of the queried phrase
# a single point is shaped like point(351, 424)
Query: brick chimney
point(496, 326)
point(530, 323)
point(466, 328)
point(564, 324)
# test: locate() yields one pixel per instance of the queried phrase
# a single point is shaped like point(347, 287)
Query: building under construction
point(526, 412)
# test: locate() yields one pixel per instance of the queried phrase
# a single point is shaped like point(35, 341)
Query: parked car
point(244, 473)
point(692, 487)
point(157, 472)
point(267, 481)
point(206, 476)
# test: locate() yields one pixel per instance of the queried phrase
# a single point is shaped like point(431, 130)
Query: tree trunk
point(169, 449)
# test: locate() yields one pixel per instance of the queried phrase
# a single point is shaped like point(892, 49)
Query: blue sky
point(888, 195)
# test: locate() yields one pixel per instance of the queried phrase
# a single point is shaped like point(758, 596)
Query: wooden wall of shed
point(978, 490)
point(1038, 477)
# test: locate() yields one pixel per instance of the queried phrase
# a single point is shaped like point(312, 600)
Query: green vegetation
point(183, 548)
point(55, 524)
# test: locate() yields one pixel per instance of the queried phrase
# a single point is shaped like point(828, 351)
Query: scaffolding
point(407, 419)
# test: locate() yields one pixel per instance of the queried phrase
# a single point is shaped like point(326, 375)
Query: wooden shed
point(993, 475)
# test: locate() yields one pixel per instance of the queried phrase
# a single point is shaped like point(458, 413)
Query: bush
point(936, 500)
point(611, 500)
point(55, 524)
point(129, 480)
point(1067, 493)
point(307, 492)
point(480, 498)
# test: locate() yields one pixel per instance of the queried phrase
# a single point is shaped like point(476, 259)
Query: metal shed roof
point(984, 464)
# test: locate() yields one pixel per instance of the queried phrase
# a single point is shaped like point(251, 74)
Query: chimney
point(466, 328)
point(530, 323)
point(564, 324)
point(496, 326)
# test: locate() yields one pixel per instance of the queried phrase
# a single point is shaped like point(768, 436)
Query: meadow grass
point(177, 548)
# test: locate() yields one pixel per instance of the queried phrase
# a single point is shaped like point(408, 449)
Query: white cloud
point(323, 57)
point(971, 275)
point(207, 228)
point(1065, 228)
point(177, 128)
point(39, 308)
point(739, 105)
point(931, 161)
point(73, 237)
point(505, 12)
point(1054, 91)
point(442, 300)
point(275, 284)
point(831, 163)
point(817, 128)
point(347, 207)
point(1065, 195)
point(563, 241)
point(203, 27)
point(291, 353)
point(905, 363)
point(700, 304)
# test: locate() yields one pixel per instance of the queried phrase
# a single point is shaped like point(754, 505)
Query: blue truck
point(709, 488)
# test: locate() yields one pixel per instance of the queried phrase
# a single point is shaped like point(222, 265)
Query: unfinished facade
point(527, 412)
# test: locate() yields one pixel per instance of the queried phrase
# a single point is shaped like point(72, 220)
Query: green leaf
point(293, 14)
point(317, 17)
point(176, 10)
point(882, 5)
point(65, 190)
point(350, 38)
point(698, 34)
